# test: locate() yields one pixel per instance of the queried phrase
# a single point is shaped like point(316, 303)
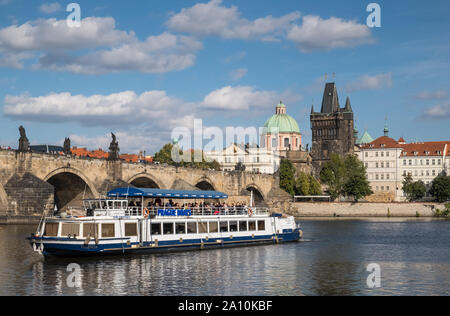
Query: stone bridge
point(31, 183)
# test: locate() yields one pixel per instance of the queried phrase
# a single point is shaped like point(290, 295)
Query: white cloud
point(244, 98)
point(432, 95)
point(49, 8)
point(213, 19)
point(55, 35)
point(238, 74)
point(367, 82)
point(158, 54)
point(62, 48)
point(317, 34)
point(440, 111)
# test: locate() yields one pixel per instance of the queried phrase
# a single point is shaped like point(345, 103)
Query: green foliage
point(443, 213)
point(346, 177)
point(440, 188)
point(333, 175)
point(414, 191)
point(314, 186)
point(165, 156)
point(302, 185)
point(287, 179)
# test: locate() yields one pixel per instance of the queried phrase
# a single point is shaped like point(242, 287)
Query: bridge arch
point(3, 197)
point(205, 184)
point(71, 186)
point(145, 180)
point(258, 196)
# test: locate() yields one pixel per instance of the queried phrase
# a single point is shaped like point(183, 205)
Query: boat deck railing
point(177, 212)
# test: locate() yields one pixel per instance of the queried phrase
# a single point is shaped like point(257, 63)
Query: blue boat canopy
point(173, 194)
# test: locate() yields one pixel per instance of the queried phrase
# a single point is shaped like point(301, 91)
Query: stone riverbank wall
point(364, 209)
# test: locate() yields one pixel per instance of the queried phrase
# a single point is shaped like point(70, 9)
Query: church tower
point(332, 128)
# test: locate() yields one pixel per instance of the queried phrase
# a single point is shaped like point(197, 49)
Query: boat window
point(180, 228)
point(213, 227)
point(90, 230)
point(233, 226)
point(70, 229)
point(261, 225)
point(192, 228)
point(251, 225)
point(103, 205)
point(223, 227)
point(203, 228)
point(108, 231)
point(124, 205)
point(110, 205)
point(243, 226)
point(168, 228)
point(51, 229)
point(130, 229)
point(156, 229)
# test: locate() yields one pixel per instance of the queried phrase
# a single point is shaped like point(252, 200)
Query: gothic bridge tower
point(332, 128)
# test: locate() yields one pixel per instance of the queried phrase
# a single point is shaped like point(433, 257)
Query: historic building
point(281, 139)
point(332, 128)
point(388, 162)
point(252, 158)
point(282, 132)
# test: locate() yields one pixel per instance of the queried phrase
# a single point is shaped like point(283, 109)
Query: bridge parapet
point(73, 178)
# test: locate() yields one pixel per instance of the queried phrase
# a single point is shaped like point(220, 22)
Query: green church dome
point(282, 123)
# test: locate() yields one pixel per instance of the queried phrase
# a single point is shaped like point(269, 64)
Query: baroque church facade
point(333, 129)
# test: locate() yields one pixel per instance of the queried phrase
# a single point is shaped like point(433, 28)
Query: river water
point(413, 255)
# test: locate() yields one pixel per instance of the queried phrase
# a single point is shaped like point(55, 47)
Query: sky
point(141, 69)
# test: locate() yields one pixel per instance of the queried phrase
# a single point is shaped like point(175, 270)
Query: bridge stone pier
point(33, 183)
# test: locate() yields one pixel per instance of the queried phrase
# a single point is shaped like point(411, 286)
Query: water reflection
point(414, 257)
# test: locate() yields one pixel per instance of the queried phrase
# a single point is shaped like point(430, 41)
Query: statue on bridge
point(24, 144)
point(67, 150)
point(114, 148)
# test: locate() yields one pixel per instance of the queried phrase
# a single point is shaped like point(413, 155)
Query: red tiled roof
point(421, 149)
point(382, 142)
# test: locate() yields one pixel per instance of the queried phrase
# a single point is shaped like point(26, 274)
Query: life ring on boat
point(39, 249)
point(250, 212)
point(146, 213)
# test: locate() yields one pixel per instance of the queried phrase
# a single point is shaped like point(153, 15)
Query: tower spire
point(386, 128)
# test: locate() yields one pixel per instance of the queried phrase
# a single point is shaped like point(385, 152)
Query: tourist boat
point(122, 224)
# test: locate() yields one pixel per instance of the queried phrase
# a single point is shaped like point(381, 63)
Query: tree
point(302, 185)
point(314, 186)
point(414, 191)
point(357, 186)
point(287, 179)
point(346, 177)
point(165, 156)
point(333, 175)
point(440, 188)
point(356, 183)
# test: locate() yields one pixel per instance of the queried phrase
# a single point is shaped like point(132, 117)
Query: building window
point(366, 154)
point(439, 162)
point(387, 176)
point(376, 176)
point(433, 162)
point(387, 188)
point(404, 162)
point(376, 165)
point(382, 165)
point(376, 154)
point(382, 154)
point(410, 162)
point(387, 164)
point(433, 173)
point(428, 162)
point(382, 176)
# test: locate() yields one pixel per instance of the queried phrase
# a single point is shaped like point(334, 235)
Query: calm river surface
point(414, 256)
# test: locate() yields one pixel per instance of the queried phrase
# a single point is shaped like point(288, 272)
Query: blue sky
point(141, 68)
